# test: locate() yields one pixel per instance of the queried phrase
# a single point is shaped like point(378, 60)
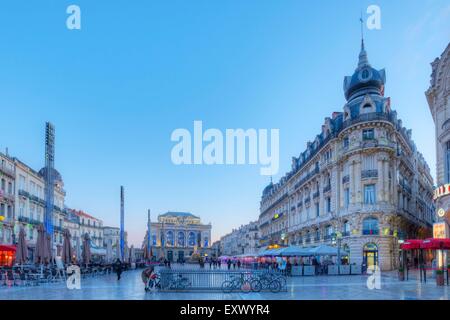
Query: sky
point(137, 70)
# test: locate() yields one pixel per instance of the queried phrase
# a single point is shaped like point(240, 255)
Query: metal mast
point(122, 222)
point(49, 177)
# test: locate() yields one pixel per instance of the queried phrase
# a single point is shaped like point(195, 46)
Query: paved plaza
point(131, 287)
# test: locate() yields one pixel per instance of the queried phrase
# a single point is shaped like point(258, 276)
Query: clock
point(441, 213)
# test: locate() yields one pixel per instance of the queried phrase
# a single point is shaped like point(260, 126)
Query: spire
point(363, 61)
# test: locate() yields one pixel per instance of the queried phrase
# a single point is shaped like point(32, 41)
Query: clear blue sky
point(137, 70)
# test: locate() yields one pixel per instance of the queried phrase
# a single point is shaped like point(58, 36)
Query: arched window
point(346, 229)
point(370, 226)
point(180, 239)
point(205, 242)
point(191, 239)
point(170, 239)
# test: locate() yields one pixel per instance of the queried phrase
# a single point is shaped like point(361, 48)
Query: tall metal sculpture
point(49, 178)
point(122, 222)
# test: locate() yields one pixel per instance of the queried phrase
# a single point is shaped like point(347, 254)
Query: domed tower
point(364, 90)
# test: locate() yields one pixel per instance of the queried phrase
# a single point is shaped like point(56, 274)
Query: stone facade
point(361, 182)
point(439, 102)
point(244, 240)
point(178, 235)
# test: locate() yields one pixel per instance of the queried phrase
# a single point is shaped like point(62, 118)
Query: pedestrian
point(119, 268)
point(229, 264)
point(210, 263)
point(239, 264)
point(168, 264)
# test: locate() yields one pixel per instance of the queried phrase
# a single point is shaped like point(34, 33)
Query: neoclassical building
point(438, 96)
point(244, 240)
point(361, 181)
point(177, 235)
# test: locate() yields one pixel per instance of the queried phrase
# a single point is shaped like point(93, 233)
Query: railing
point(346, 233)
point(365, 174)
point(307, 200)
point(207, 280)
point(316, 194)
point(307, 177)
point(7, 171)
point(371, 232)
point(327, 189)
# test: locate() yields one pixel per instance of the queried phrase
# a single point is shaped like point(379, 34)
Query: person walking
point(229, 264)
point(239, 264)
point(119, 268)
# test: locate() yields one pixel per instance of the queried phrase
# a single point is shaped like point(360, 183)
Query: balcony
point(345, 179)
point(327, 189)
point(24, 193)
point(307, 201)
point(308, 240)
point(316, 194)
point(306, 178)
point(371, 232)
point(327, 237)
point(7, 171)
point(366, 174)
point(346, 233)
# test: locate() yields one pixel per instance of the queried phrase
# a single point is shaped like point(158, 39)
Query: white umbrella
point(78, 249)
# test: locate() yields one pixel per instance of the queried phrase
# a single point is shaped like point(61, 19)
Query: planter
point(297, 271)
point(333, 270)
point(355, 269)
point(401, 275)
point(309, 270)
point(344, 269)
point(439, 279)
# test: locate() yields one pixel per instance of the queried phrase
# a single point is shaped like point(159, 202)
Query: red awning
point(4, 247)
point(411, 244)
point(436, 244)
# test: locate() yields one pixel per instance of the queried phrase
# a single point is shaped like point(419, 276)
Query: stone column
point(352, 176)
point(387, 192)
point(380, 181)
point(358, 182)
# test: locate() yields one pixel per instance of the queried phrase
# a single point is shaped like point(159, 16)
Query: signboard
point(440, 230)
point(441, 191)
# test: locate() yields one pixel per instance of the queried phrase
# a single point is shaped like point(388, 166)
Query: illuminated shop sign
point(442, 191)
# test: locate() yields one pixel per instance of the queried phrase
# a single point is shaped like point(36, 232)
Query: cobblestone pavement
point(130, 287)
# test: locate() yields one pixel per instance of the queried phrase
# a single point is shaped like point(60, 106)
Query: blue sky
point(116, 89)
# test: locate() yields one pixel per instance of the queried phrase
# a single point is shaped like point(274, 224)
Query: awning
point(324, 250)
point(411, 244)
point(436, 244)
point(4, 247)
point(294, 251)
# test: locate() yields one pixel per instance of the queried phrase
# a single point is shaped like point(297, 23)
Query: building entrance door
point(170, 255)
point(370, 256)
point(180, 255)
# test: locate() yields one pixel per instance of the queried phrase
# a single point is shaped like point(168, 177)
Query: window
point(328, 205)
point(346, 197)
point(191, 239)
point(369, 194)
point(180, 239)
point(3, 185)
point(447, 162)
point(346, 228)
point(370, 226)
point(368, 134)
point(170, 240)
point(317, 210)
point(345, 143)
point(21, 182)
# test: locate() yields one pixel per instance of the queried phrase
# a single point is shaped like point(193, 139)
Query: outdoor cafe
point(427, 258)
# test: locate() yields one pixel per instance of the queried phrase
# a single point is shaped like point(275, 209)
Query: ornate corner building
point(439, 102)
point(361, 181)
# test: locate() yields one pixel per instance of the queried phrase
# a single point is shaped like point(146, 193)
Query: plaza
point(131, 287)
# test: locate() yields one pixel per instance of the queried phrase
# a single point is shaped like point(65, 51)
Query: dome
point(56, 175)
point(365, 79)
point(268, 189)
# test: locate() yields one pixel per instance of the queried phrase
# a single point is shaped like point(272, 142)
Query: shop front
point(7, 255)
